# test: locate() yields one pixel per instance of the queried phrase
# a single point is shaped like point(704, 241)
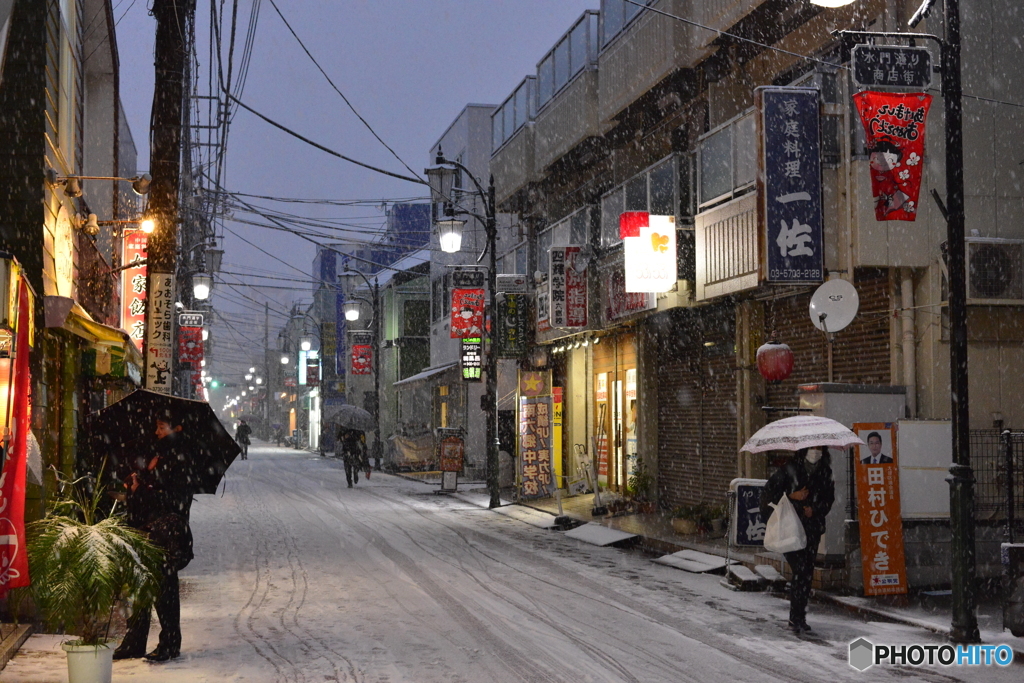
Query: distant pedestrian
point(351, 444)
point(807, 481)
point(242, 432)
point(278, 434)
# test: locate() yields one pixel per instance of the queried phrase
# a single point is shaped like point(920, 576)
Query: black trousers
point(801, 562)
point(168, 612)
point(352, 465)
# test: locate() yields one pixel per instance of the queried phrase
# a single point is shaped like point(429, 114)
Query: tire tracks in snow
point(264, 525)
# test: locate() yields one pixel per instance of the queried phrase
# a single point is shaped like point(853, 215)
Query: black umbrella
point(124, 432)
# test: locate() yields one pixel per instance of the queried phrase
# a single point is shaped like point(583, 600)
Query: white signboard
point(650, 256)
point(160, 333)
point(511, 284)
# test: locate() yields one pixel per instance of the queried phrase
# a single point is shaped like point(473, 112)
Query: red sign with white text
point(13, 553)
point(362, 359)
point(894, 129)
point(133, 292)
point(467, 313)
point(190, 344)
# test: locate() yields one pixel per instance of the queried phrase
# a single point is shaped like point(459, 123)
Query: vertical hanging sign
point(362, 353)
point(536, 418)
point(472, 359)
point(468, 296)
point(13, 464)
point(567, 289)
point(894, 129)
point(791, 177)
point(133, 286)
point(510, 331)
point(575, 289)
point(340, 326)
point(556, 286)
point(159, 339)
point(878, 509)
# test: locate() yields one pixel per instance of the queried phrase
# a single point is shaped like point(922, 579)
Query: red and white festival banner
point(649, 251)
point(190, 344)
point(467, 313)
point(133, 290)
point(362, 359)
point(13, 558)
point(894, 129)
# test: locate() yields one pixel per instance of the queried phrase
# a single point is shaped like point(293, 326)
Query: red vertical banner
point(190, 344)
point(13, 557)
point(575, 289)
point(362, 359)
point(878, 509)
point(467, 313)
point(133, 294)
point(894, 130)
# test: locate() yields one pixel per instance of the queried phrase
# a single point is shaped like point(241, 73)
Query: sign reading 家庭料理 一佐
point(791, 167)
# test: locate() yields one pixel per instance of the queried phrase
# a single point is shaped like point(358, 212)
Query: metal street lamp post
point(441, 178)
point(375, 325)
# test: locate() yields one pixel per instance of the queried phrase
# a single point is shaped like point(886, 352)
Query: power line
point(341, 94)
point(319, 146)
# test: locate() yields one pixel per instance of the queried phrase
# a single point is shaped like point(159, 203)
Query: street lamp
point(441, 178)
point(306, 344)
point(284, 360)
point(449, 233)
point(351, 309)
point(201, 286)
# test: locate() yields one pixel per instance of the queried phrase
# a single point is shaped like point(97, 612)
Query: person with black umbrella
point(159, 498)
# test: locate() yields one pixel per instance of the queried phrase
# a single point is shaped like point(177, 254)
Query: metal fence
point(994, 471)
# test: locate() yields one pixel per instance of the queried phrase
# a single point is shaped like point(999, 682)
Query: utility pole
point(174, 19)
point(961, 510)
point(963, 567)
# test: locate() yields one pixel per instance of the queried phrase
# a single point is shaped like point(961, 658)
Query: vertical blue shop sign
point(791, 164)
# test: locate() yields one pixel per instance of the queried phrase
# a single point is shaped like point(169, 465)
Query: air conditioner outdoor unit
point(995, 271)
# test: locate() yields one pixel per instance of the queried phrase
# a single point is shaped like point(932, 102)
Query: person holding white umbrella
point(807, 481)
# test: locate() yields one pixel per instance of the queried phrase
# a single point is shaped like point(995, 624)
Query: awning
point(429, 372)
point(69, 315)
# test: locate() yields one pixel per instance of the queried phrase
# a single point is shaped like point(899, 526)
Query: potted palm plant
point(84, 561)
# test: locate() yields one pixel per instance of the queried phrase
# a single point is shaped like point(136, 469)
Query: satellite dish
point(834, 305)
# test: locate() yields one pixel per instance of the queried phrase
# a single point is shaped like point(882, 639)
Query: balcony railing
point(728, 256)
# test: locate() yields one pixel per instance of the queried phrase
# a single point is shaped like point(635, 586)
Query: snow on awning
point(429, 372)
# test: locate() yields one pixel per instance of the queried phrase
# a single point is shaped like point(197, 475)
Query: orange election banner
point(878, 509)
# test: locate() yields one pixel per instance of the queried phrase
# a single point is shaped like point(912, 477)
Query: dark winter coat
point(242, 433)
point(793, 476)
point(161, 503)
point(351, 444)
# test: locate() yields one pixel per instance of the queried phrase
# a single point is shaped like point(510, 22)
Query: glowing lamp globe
point(775, 361)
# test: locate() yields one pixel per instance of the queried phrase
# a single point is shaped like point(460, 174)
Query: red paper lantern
point(775, 361)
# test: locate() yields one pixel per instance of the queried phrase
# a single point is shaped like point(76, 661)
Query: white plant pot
point(89, 663)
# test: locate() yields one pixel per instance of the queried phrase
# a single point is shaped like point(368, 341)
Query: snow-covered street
point(298, 578)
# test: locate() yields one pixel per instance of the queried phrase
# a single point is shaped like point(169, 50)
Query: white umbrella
point(348, 415)
point(802, 431)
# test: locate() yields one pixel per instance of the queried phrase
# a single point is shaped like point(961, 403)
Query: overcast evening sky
point(408, 66)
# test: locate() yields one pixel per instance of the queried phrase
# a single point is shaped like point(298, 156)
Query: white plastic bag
point(784, 533)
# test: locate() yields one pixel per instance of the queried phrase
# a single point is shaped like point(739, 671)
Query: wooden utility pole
point(174, 18)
